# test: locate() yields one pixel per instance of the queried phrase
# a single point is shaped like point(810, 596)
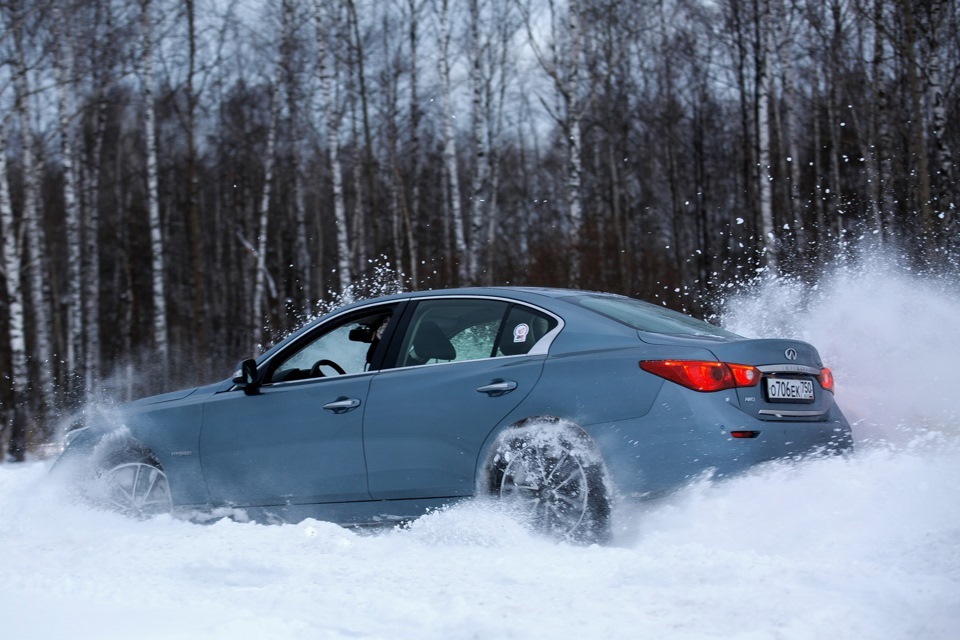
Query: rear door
point(460, 366)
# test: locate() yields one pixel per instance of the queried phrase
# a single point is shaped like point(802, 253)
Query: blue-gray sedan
point(558, 401)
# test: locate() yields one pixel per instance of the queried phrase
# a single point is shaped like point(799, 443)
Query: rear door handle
point(498, 388)
point(342, 405)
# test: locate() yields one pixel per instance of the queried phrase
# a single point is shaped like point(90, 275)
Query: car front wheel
point(136, 488)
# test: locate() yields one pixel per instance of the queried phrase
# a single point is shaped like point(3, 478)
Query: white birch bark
point(35, 238)
point(91, 220)
point(564, 67)
point(573, 108)
point(479, 197)
point(937, 105)
point(450, 151)
point(505, 34)
point(63, 62)
point(16, 331)
point(764, 177)
point(786, 55)
point(158, 275)
point(269, 162)
point(332, 124)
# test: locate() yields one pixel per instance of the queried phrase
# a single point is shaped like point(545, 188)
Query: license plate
point(789, 390)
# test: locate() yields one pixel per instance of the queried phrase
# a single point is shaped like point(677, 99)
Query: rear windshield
point(649, 317)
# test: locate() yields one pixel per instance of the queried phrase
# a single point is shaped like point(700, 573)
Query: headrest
point(430, 343)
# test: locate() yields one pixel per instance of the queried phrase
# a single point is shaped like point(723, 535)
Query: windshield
point(644, 316)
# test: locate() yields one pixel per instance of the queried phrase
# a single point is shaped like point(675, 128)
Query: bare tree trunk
point(12, 267)
point(505, 37)
point(366, 220)
point(35, 241)
point(332, 121)
point(573, 115)
point(413, 214)
point(199, 315)
point(160, 341)
point(884, 140)
point(91, 297)
point(301, 253)
point(63, 62)
point(917, 138)
point(450, 152)
point(479, 199)
point(943, 188)
point(768, 242)
point(390, 80)
point(788, 76)
point(263, 227)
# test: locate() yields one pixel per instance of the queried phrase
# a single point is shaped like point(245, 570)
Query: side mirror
point(247, 377)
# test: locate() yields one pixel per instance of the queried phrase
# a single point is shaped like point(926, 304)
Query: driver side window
point(348, 347)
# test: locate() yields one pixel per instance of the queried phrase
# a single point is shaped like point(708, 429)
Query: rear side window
point(523, 329)
point(644, 316)
point(455, 330)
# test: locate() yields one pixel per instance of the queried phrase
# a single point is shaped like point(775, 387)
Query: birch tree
point(479, 196)
point(153, 188)
point(16, 415)
point(764, 177)
point(331, 120)
point(563, 66)
point(63, 63)
point(99, 62)
point(260, 280)
point(943, 188)
point(33, 231)
point(451, 171)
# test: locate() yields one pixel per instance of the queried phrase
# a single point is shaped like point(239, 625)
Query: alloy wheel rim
point(552, 491)
point(138, 489)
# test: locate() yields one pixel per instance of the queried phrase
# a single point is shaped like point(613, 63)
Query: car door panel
point(281, 446)
point(424, 426)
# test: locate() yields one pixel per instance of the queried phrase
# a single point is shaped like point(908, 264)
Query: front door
point(299, 438)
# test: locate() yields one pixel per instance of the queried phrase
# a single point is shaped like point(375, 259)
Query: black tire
point(554, 479)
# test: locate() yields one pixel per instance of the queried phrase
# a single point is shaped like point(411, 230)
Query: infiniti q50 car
point(558, 401)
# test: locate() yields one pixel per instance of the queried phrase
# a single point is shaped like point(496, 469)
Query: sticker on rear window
point(520, 332)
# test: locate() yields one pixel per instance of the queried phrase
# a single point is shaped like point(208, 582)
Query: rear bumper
point(687, 434)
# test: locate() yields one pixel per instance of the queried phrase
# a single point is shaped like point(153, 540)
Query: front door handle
point(498, 388)
point(342, 405)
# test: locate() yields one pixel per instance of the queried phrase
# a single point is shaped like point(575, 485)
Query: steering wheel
point(315, 371)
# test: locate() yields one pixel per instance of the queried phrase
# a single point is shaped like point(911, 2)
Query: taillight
point(826, 379)
point(701, 375)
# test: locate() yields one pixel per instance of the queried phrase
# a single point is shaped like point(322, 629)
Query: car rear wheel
point(555, 482)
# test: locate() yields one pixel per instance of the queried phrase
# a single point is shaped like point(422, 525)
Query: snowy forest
point(184, 181)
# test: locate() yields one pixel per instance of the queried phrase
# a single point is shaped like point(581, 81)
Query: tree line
point(184, 181)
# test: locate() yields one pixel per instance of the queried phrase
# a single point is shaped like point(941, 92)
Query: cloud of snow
point(888, 332)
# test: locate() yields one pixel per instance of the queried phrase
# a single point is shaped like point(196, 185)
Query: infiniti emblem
point(791, 354)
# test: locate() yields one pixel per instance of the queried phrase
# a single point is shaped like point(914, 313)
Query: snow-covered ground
point(863, 548)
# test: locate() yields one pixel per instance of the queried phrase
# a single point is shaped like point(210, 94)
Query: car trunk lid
point(789, 386)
